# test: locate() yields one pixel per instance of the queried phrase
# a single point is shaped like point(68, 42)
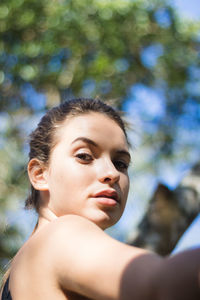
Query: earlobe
point(37, 174)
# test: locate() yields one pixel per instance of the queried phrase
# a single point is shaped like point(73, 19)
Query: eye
point(84, 157)
point(120, 165)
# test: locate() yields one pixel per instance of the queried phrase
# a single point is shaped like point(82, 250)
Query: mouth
point(107, 197)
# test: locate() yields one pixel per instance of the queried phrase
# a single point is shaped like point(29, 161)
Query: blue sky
point(188, 8)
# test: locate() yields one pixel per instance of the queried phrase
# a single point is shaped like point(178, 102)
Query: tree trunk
point(169, 214)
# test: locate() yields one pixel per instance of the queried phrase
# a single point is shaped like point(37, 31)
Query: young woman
point(79, 156)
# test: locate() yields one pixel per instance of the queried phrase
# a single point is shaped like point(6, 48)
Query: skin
point(69, 256)
point(85, 163)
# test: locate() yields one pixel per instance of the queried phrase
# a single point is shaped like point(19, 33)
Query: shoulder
point(64, 231)
point(59, 240)
point(47, 242)
point(75, 254)
point(67, 233)
point(69, 226)
point(55, 250)
point(66, 226)
point(74, 251)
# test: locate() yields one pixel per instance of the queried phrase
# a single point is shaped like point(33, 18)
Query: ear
point(37, 173)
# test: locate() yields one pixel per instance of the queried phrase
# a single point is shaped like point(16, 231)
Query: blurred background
point(141, 56)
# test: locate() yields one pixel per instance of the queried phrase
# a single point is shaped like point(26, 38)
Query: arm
point(170, 278)
point(87, 261)
point(179, 276)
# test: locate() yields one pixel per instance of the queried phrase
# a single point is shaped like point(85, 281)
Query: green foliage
point(58, 45)
point(65, 48)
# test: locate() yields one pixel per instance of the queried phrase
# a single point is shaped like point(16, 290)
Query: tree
point(50, 50)
point(169, 214)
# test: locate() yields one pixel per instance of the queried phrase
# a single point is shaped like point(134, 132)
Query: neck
point(45, 217)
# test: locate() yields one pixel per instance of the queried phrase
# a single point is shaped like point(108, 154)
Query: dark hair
point(42, 139)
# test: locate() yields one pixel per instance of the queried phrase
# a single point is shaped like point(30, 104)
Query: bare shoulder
point(51, 254)
point(59, 240)
point(72, 253)
point(84, 258)
point(66, 235)
point(67, 229)
point(46, 242)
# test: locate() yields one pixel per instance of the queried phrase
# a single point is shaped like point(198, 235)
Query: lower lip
point(106, 201)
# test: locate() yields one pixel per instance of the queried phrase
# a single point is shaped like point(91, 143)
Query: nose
point(108, 173)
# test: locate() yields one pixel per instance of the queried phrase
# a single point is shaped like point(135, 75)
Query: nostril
point(107, 179)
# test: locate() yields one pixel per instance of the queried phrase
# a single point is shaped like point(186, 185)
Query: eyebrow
point(85, 140)
point(91, 142)
point(124, 152)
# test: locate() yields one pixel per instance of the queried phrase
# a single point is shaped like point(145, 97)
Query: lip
point(112, 194)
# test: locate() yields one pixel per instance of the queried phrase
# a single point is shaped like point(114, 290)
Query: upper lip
point(108, 194)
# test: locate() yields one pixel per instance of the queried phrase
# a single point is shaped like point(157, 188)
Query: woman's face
point(87, 173)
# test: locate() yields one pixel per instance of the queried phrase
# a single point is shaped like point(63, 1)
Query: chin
point(105, 222)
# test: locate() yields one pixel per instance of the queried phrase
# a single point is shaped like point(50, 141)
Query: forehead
point(95, 126)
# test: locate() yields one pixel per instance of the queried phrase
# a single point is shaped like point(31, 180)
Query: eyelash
point(120, 165)
point(85, 157)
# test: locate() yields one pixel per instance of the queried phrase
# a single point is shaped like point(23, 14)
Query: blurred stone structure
point(169, 214)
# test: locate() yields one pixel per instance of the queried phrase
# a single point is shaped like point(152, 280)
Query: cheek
point(125, 186)
point(73, 175)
